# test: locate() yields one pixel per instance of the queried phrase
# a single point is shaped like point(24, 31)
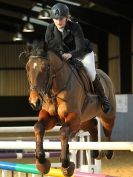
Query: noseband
point(49, 82)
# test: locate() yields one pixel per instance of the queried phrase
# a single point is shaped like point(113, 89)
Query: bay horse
point(57, 91)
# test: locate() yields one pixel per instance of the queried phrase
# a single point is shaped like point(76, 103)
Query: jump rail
point(73, 145)
point(12, 119)
point(25, 129)
point(18, 155)
point(26, 168)
point(53, 171)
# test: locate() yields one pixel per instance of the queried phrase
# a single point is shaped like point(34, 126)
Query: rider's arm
point(79, 41)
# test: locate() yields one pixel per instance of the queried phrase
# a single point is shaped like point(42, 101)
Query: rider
point(66, 37)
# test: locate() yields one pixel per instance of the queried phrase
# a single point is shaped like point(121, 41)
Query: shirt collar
point(61, 29)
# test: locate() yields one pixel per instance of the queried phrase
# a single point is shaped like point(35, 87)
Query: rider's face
point(60, 23)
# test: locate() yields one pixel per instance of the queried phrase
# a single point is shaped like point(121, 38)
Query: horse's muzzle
point(36, 105)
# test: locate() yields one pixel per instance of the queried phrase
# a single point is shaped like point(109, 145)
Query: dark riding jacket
point(71, 40)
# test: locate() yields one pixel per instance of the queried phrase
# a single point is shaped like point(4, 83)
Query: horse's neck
point(61, 70)
point(55, 61)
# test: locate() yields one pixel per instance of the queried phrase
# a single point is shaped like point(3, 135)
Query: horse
point(57, 91)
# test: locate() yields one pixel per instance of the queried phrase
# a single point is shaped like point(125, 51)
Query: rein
point(50, 77)
point(49, 82)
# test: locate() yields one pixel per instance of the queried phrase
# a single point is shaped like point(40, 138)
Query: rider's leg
point(89, 64)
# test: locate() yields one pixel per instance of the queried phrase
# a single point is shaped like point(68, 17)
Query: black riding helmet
point(59, 10)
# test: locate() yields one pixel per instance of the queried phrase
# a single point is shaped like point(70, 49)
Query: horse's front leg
point(71, 125)
point(44, 123)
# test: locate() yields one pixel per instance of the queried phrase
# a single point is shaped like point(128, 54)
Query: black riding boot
point(106, 106)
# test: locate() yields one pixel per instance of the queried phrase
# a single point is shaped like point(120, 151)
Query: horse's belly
point(92, 110)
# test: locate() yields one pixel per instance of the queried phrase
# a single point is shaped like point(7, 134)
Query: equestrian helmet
point(59, 11)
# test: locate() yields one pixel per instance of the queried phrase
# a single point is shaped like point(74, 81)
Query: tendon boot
point(106, 106)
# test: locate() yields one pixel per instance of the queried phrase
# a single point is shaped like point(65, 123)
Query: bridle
point(51, 75)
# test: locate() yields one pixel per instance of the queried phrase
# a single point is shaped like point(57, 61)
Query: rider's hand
point(66, 56)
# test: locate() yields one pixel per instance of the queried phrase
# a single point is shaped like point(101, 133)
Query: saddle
point(83, 75)
point(84, 79)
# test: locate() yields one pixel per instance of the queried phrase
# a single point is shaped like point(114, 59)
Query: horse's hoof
point(101, 155)
point(43, 167)
point(67, 172)
point(109, 154)
point(94, 154)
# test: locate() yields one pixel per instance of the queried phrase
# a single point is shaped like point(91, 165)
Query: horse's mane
point(41, 49)
point(38, 49)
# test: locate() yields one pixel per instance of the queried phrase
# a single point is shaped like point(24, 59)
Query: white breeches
point(89, 63)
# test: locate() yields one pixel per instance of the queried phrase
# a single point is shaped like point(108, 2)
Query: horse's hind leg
point(44, 123)
point(108, 124)
point(91, 127)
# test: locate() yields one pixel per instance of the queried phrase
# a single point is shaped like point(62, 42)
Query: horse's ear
point(24, 56)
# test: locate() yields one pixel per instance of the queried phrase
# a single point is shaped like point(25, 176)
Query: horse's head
point(37, 69)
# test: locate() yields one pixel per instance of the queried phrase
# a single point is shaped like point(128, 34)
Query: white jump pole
point(88, 152)
point(4, 173)
point(81, 139)
point(25, 129)
point(98, 162)
point(90, 167)
point(30, 145)
point(12, 119)
point(73, 153)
